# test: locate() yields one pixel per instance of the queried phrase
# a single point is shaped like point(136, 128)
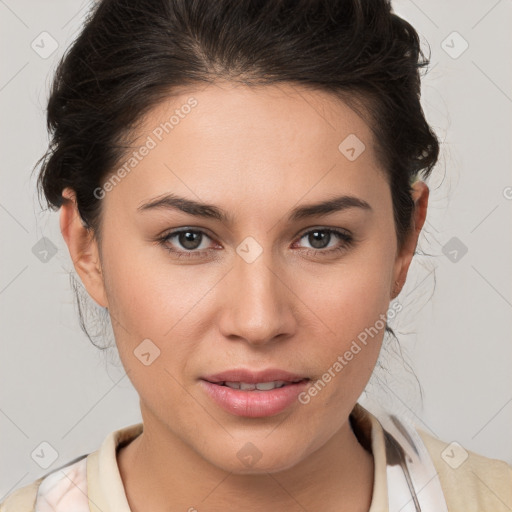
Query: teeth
point(265, 386)
point(261, 386)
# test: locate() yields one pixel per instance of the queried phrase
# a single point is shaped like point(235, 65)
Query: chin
point(248, 458)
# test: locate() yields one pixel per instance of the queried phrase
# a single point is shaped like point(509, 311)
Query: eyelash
point(347, 239)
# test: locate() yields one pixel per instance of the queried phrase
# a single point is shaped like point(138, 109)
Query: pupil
point(323, 236)
point(318, 239)
point(189, 237)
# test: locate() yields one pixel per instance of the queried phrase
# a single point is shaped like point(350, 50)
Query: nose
point(259, 303)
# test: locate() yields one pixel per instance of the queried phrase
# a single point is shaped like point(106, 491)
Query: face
point(254, 286)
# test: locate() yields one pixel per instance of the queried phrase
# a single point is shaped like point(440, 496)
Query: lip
point(254, 404)
point(252, 377)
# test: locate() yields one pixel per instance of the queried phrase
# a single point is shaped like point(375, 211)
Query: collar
point(107, 494)
point(404, 476)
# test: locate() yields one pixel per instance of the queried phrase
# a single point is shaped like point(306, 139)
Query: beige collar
point(106, 491)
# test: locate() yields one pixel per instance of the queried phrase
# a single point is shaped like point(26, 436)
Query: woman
point(239, 186)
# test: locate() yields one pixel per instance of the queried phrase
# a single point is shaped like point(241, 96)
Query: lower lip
point(254, 404)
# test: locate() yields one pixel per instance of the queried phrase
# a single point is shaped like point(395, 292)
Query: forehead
point(269, 114)
point(252, 143)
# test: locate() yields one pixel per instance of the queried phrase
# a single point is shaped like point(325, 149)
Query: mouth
point(258, 386)
point(247, 379)
point(254, 394)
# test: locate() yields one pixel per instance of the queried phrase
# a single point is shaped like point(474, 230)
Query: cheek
point(174, 305)
point(352, 305)
point(153, 299)
point(348, 297)
point(146, 293)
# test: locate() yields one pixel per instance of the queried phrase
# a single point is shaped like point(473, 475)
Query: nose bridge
point(258, 303)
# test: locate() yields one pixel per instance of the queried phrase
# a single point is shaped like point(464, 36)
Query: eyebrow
point(210, 211)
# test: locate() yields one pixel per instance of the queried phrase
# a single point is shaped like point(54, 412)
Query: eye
point(320, 238)
point(191, 241)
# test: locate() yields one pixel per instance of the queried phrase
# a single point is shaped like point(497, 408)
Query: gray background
point(455, 329)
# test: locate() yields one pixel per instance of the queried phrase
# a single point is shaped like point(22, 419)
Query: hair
point(130, 56)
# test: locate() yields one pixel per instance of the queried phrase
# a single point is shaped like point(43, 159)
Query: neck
point(160, 472)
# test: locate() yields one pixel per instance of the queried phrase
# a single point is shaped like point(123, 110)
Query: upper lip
point(253, 377)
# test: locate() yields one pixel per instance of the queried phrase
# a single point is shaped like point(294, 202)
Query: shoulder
point(470, 482)
point(22, 499)
point(67, 488)
point(62, 489)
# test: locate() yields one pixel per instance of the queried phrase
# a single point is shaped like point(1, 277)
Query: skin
point(256, 153)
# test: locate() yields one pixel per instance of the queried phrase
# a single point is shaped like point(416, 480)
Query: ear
point(82, 247)
point(420, 195)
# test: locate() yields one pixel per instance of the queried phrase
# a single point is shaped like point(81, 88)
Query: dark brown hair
point(131, 55)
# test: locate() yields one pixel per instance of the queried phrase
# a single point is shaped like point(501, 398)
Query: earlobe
point(83, 248)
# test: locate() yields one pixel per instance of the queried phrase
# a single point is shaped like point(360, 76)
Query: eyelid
point(301, 233)
point(346, 240)
point(298, 235)
point(175, 232)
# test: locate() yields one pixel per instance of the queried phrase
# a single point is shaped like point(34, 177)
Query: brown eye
point(320, 238)
point(189, 239)
point(184, 243)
